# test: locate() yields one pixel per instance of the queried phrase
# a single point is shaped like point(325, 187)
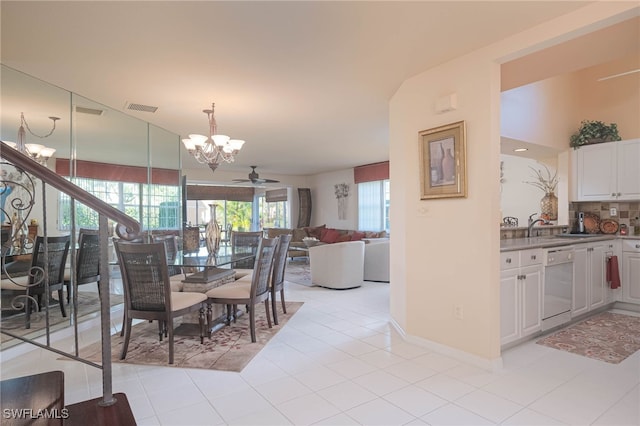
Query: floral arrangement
point(546, 183)
point(342, 190)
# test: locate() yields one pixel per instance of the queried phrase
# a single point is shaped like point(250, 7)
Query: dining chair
point(233, 294)
point(277, 276)
point(147, 292)
point(245, 243)
point(176, 274)
point(50, 253)
point(87, 261)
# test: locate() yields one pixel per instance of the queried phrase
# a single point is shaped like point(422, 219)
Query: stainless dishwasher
point(558, 286)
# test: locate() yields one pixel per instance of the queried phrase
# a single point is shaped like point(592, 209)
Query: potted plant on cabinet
point(592, 132)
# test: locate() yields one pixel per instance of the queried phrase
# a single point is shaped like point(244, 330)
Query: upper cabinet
point(607, 171)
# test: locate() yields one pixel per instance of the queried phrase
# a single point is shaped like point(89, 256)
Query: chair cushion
point(241, 273)
point(181, 300)
point(176, 282)
point(230, 291)
point(18, 283)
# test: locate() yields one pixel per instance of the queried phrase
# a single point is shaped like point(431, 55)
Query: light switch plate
point(613, 212)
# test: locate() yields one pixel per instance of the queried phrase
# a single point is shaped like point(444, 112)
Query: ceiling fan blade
point(269, 180)
point(241, 180)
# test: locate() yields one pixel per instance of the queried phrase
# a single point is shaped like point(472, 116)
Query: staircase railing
point(127, 228)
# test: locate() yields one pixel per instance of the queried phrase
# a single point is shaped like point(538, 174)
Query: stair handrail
point(127, 228)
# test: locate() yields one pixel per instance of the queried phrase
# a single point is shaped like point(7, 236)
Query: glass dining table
point(202, 267)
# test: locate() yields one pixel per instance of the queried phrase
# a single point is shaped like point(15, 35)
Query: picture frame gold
point(443, 162)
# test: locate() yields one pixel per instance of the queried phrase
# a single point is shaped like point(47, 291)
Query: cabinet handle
point(613, 194)
point(533, 257)
point(619, 194)
point(637, 245)
point(508, 260)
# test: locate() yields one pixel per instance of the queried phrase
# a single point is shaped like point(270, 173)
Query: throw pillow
point(357, 236)
point(343, 237)
point(329, 236)
point(315, 231)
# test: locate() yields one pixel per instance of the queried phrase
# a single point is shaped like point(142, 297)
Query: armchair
point(338, 265)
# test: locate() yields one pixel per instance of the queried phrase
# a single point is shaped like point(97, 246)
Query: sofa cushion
point(298, 235)
point(276, 232)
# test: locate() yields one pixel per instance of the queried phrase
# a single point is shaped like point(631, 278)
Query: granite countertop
point(554, 241)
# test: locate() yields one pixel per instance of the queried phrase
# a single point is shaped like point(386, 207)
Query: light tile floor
point(339, 362)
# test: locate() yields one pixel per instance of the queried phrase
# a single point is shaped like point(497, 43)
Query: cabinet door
point(628, 170)
point(631, 277)
point(598, 283)
point(597, 172)
point(531, 299)
point(580, 303)
point(509, 306)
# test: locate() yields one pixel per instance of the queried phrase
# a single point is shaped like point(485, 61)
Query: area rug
point(88, 307)
point(228, 349)
point(606, 337)
point(298, 272)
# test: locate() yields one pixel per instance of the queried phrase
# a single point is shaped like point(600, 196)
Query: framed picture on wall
point(443, 162)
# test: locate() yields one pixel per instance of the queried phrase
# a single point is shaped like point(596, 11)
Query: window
point(273, 214)
point(154, 206)
point(373, 205)
point(234, 213)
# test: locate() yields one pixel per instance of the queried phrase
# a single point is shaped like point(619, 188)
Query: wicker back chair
point(245, 243)
point(33, 284)
point(147, 291)
point(257, 291)
point(277, 278)
point(190, 238)
point(87, 260)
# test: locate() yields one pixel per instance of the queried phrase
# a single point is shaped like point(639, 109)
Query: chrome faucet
point(533, 222)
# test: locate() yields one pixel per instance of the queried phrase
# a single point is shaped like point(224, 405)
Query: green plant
point(592, 131)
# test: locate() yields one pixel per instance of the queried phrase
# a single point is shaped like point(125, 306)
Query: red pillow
point(329, 235)
point(357, 236)
point(344, 237)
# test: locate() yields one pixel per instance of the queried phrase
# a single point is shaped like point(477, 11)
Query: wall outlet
point(613, 212)
point(458, 312)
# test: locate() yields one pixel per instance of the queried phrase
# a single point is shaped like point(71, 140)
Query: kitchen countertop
point(554, 241)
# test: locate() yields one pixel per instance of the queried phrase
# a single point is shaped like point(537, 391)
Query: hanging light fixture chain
point(23, 122)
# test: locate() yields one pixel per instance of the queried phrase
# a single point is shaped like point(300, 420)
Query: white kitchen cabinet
point(608, 171)
point(589, 279)
point(520, 294)
point(631, 271)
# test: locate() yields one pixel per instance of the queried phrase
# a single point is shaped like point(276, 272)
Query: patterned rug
point(229, 349)
point(606, 337)
point(298, 272)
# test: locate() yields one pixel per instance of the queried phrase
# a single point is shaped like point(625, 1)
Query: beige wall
point(325, 205)
point(448, 250)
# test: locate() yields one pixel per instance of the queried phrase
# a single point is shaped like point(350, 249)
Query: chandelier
point(35, 151)
point(213, 149)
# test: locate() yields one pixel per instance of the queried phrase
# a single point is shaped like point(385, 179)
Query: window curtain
point(276, 195)
point(117, 172)
point(371, 172)
point(229, 193)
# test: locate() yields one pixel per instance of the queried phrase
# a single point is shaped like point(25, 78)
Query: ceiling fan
point(254, 178)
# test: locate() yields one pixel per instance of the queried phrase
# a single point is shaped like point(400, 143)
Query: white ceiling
point(306, 84)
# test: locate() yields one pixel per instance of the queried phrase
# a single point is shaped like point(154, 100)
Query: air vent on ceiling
point(91, 111)
point(140, 107)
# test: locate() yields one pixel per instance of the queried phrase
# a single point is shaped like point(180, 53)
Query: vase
point(213, 232)
point(448, 167)
point(549, 206)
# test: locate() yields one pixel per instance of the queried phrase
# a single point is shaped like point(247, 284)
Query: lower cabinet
point(631, 271)
point(520, 295)
point(590, 289)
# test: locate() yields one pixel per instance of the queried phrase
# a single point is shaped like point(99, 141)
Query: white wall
point(446, 254)
point(325, 204)
point(517, 198)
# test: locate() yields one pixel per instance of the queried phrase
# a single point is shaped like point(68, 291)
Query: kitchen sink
point(578, 235)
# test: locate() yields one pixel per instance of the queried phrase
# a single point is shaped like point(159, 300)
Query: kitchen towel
point(613, 273)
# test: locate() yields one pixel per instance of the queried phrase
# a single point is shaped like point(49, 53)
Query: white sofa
point(337, 265)
point(376, 259)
